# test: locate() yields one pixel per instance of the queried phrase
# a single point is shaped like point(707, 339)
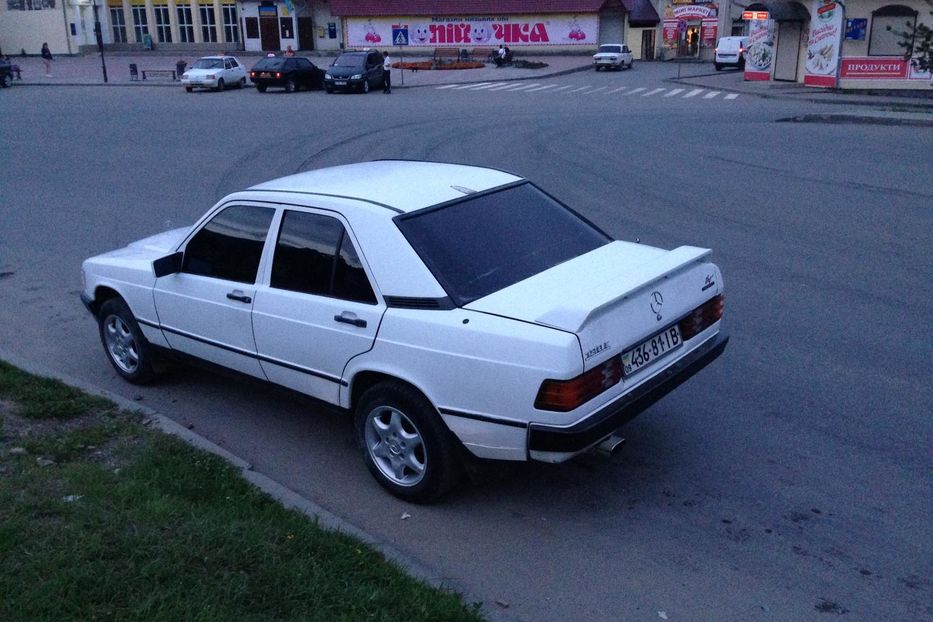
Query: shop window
point(118, 20)
point(287, 28)
point(208, 24)
point(185, 23)
point(252, 27)
point(231, 24)
point(140, 23)
point(163, 25)
point(887, 25)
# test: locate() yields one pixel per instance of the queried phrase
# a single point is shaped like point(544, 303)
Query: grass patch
point(44, 398)
point(129, 523)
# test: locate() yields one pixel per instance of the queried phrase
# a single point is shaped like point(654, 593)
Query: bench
point(442, 55)
point(159, 72)
point(482, 54)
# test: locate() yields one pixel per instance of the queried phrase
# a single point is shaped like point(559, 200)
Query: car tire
point(365, 87)
point(220, 85)
point(127, 349)
point(597, 67)
point(242, 83)
point(718, 66)
point(188, 89)
point(290, 86)
point(7, 81)
point(328, 89)
point(631, 64)
point(261, 88)
point(405, 444)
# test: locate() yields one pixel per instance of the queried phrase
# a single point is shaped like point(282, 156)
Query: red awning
point(390, 8)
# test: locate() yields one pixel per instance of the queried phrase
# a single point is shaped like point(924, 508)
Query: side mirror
point(170, 264)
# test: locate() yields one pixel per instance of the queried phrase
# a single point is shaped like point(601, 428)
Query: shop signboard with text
point(676, 19)
point(443, 31)
point(824, 43)
point(759, 56)
point(880, 68)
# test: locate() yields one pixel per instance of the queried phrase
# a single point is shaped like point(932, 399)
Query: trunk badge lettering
point(657, 301)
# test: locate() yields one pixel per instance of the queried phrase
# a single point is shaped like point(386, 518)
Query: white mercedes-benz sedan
point(454, 310)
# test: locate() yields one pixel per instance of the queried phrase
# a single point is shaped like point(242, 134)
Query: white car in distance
point(613, 56)
point(214, 72)
point(454, 310)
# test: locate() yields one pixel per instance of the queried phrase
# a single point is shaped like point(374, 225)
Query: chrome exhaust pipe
point(609, 446)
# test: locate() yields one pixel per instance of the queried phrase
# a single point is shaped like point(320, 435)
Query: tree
point(917, 42)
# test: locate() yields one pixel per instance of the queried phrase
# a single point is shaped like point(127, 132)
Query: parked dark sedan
point(6, 73)
point(289, 72)
point(356, 71)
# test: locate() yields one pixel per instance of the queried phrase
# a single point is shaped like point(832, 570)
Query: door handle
point(239, 296)
point(350, 320)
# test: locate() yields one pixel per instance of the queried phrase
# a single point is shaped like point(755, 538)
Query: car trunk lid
point(611, 297)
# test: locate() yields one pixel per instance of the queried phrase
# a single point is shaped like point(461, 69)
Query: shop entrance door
point(689, 40)
point(269, 33)
point(305, 33)
point(787, 56)
point(647, 45)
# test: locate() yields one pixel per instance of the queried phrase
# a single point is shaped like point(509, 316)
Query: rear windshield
point(209, 63)
point(355, 60)
point(269, 63)
point(610, 49)
point(488, 242)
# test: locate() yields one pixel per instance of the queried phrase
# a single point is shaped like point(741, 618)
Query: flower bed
point(429, 64)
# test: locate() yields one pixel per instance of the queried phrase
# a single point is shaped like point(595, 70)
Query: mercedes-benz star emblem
point(657, 301)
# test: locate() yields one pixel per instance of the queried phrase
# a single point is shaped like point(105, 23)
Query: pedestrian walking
point(47, 59)
point(386, 73)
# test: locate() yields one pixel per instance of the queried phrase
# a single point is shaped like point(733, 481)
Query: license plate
point(650, 350)
point(341, 82)
point(264, 74)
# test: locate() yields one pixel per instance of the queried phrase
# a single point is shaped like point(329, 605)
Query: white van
point(730, 52)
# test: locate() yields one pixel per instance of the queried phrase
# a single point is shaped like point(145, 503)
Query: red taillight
point(565, 395)
point(702, 317)
point(741, 50)
point(278, 75)
point(252, 74)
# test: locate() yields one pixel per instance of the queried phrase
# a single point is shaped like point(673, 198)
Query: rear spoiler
point(636, 278)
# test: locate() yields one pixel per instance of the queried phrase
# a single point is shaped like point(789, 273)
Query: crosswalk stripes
point(588, 89)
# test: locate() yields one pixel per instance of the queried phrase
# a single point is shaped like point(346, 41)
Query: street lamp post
point(98, 35)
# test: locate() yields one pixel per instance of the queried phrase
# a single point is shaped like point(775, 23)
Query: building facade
point(823, 43)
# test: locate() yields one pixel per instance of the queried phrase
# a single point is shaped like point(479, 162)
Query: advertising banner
point(443, 31)
point(671, 33)
point(760, 52)
point(824, 43)
point(708, 30)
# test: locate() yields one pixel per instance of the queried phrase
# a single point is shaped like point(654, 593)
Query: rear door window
point(314, 255)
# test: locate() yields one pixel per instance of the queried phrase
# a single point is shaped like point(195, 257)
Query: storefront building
point(415, 26)
point(828, 44)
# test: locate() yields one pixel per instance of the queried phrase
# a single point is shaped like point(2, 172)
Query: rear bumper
point(568, 440)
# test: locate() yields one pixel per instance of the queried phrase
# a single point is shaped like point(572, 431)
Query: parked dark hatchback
point(357, 71)
point(291, 73)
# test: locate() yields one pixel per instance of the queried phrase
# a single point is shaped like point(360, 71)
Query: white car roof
point(402, 185)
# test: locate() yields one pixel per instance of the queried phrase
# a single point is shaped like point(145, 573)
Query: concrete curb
point(284, 495)
point(858, 119)
point(908, 102)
